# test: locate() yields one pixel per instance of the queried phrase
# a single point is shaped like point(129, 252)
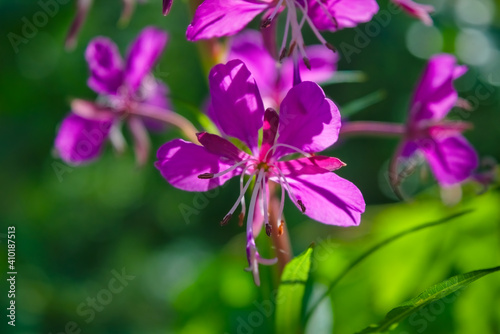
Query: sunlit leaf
point(346, 77)
point(434, 293)
point(377, 247)
point(291, 293)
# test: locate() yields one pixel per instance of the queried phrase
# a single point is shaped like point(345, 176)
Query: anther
point(281, 228)
point(283, 54)
point(226, 220)
point(266, 23)
point(292, 47)
point(269, 229)
point(241, 217)
point(307, 63)
point(206, 176)
point(331, 47)
point(302, 206)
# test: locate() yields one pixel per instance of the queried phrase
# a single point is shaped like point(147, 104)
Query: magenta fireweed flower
point(450, 156)
point(123, 87)
point(308, 122)
point(273, 79)
point(416, 10)
point(217, 18)
point(82, 9)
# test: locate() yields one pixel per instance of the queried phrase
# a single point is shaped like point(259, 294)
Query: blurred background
point(105, 248)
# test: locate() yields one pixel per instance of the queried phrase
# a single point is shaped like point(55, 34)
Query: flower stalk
point(369, 128)
point(166, 116)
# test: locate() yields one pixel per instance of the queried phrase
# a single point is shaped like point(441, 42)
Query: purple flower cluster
point(124, 87)
point(270, 117)
point(451, 158)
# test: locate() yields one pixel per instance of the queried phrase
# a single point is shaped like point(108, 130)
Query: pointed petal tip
point(167, 5)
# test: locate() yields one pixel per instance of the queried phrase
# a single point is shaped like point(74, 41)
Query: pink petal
point(217, 18)
point(328, 198)
point(347, 13)
point(81, 140)
point(167, 4)
point(248, 47)
point(416, 10)
point(312, 165)
point(452, 159)
point(180, 162)
point(308, 120)
point(435, 95)
point(236, 103)
point(105, 64)
point(143, 54)
point(222, 147)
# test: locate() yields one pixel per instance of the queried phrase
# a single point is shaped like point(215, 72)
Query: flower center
point(263, 166)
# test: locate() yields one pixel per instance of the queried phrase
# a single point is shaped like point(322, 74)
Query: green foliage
point(291, 293)
point(427, 297)
point(377, 247)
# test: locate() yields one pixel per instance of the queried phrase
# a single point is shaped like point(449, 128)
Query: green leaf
point(291, 294)
point(346, 77)
point(374, 249)
point(435, 292)
point(364, 102)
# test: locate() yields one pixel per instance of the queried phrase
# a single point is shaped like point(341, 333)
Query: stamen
point(313, 27)
point(285, 38)
point(269, 229)
point(316, 31)
point(292, 47)
point(253, 202)
point(282, 202)
point(327, 13)
point(331, 47)
point(242, 178)
point(275, 146)
point(264, 204)
point(267, 22)
point(281, 228)
point(267, 262)
point(287, 185)
point(283, 54)
point(230, 169)
point(242, 195)
point(302, 206)
point(226, 220)
point(241, 217)
point(307, 63)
